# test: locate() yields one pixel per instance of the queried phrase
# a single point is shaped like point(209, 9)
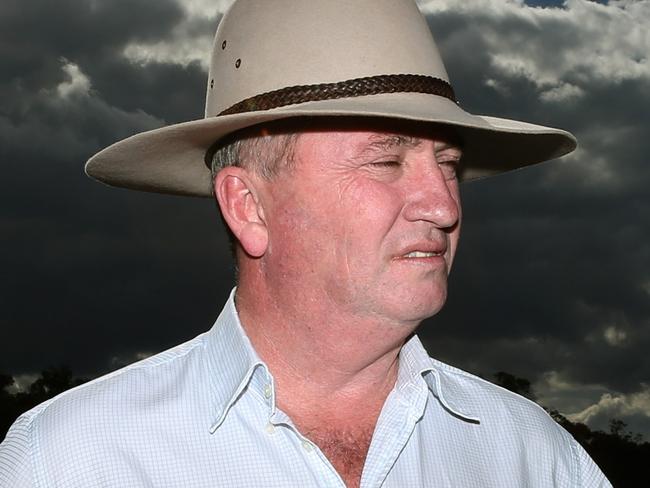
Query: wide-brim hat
point(276, 59)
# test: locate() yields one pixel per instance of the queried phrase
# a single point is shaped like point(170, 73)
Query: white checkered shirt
point(203, 415)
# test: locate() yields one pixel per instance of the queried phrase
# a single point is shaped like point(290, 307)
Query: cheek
point(371, 201)
point(292, 231)
point(339, 226)
point(366, 212)
point(298, 231)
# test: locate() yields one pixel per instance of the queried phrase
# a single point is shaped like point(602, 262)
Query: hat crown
point(266, 45)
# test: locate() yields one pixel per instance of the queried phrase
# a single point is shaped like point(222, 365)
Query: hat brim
point(171, 159)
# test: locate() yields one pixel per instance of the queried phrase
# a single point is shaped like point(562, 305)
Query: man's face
point(368, 219)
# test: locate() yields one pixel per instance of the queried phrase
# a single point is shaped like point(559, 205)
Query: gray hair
point(263, 152)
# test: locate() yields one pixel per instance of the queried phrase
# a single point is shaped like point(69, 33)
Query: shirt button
point(268, 391)
point(270, 428)
point(306, 445)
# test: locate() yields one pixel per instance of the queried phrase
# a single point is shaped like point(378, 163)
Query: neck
point(327, 365)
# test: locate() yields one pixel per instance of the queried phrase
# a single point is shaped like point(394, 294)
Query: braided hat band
point(358, 87)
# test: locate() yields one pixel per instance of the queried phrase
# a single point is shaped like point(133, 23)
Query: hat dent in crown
point(263, 46)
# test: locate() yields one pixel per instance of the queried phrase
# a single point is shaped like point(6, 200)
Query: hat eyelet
point(211, 83)
point(238, 63)
point(223, 45)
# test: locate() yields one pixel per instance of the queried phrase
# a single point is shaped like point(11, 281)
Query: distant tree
point(518, 385)
point(6, 381)
point(620, 454)
point(618, 428)
point(50, 383)
point(53, 381)
point(8, 408)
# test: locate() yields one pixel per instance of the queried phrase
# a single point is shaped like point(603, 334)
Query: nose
point(433, 198)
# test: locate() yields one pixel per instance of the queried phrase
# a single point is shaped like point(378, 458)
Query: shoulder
point(112, 412)
point(493, 404)
point(516, 428)
point(128, 388)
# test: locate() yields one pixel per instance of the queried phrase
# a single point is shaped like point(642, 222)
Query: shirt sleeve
point(589, 474)
point(16, 456)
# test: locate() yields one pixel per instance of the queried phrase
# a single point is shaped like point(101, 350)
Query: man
point(335, 143)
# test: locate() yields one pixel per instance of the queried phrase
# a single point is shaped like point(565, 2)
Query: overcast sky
point(552, 280)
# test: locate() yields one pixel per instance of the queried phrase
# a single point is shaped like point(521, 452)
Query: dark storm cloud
point(90, 267)
point(93, 35)
point(36, 34)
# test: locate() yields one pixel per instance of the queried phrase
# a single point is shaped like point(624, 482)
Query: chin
point(417, 307)
point(426, 312)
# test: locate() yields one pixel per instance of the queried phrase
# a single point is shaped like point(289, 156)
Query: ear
point(241, 209)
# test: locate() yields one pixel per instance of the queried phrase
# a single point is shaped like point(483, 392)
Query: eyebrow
point(389, 141)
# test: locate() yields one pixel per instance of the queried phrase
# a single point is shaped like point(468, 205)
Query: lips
point(423, 250)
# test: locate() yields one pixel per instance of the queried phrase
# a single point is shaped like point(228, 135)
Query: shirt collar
point(233, 363)
point(449, 385)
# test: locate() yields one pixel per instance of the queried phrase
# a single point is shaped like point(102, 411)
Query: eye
point(449, 168)
point(385, 164)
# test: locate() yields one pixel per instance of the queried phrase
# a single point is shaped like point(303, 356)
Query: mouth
point(421, 254)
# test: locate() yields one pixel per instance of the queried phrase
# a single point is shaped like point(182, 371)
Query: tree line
point(621, 454)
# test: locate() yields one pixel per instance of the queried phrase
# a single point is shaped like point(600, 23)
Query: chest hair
point(346, 449)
